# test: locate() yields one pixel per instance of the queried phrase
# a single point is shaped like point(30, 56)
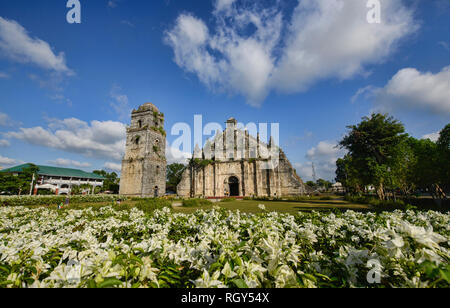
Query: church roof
point(57, 172)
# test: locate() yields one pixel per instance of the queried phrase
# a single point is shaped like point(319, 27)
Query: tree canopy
point(381, 154)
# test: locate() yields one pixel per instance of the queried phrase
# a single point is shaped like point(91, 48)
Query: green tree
point(311, 184)
point(324, 183)
point(374, 146)
point(111, 182)
point(20, 184)
point(432, 167)
point(443, 161)
point(174, 174)
point(348, 175)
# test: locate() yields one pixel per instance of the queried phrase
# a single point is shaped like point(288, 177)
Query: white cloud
point(433, 136)
point(113, 166)
point(222, 5)
point(120, 103)
point(16, 43)
point(4, 75)
point(4, 143)
point(411, 89)
point(254, 50)
point(324, 157)
point(62, 162)
point(112, 3)
point(445, 45)
point(5, 120)
point(7, 161)
point(174, 155)
point(96, 139)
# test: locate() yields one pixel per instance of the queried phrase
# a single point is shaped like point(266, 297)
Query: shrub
point(196, 202)
point(52, 200)
point(228, 200)
point(150, 205)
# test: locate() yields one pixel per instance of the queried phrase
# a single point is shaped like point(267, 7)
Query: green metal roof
point(55, 171)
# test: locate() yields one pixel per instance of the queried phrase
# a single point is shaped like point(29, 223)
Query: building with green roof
point(59, 180)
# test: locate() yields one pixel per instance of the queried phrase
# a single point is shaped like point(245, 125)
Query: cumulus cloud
point(4, 143)
point(62, 162)
point(433, 136)
point(253, 49)
point(120, 103)
point(324, 157)
point(96, 139)
point(413, 89)
point(17, 44)
point(5, 120)
point(174, 155)
point(113, 166)
point(7, 161)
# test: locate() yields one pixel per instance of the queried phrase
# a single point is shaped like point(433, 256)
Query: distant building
point(338, 188)
point(59, 180)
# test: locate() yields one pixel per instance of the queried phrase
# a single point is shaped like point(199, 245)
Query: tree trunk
point(380, 192)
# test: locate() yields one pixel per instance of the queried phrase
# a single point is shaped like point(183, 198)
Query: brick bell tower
point(144, 164)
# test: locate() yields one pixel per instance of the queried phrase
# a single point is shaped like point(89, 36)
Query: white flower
point(228, 272)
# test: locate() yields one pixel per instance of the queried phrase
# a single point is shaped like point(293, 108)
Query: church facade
point(236, 164)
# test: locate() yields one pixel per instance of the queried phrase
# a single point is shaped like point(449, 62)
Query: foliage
point(311, 184)
point(111, 183)
point(159, 130)
point(196, 202)
point(150, 205)
point(200, 163)
point(174, 175)
point(117, 248)
point(382, 155)
point(374, 145)
point(51, 200)
point(20, 184)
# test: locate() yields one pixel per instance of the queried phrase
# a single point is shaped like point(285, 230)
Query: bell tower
point(144, 164)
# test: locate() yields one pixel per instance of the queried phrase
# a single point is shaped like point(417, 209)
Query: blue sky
point(315, 67)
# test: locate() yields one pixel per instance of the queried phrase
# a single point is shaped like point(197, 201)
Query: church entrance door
point(234, 186)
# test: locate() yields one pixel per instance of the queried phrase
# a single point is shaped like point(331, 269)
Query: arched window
point(137, 140)
point(140, 123)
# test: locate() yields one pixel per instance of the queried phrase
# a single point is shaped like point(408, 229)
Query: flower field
point(105, 247)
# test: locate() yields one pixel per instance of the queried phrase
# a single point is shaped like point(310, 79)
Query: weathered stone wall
point(212, 180)
point(144, 163)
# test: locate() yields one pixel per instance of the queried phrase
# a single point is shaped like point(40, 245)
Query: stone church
point(233, 164)
point(236, 164)
point(144, 164)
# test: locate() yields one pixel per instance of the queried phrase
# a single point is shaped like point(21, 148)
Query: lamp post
point(31, 186)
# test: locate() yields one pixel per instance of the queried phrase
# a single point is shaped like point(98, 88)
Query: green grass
point(245, 206)
point(278, 206)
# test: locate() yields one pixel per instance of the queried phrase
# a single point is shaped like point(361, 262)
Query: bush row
point(196, 202)
point(52, 200)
